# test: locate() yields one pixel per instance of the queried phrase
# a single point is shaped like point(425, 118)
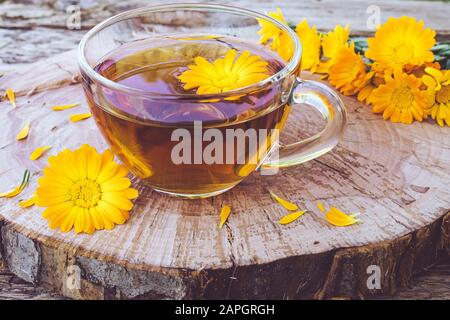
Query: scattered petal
point(38, 152)
point(320, 206)
point(11, 96)
point(64, 107)
point(80, 116)
point(18, 189)
point(340, 219)
point(286, 204)
point(28, 202)
point(23, 133)
point(291, 217)
point(224, 214)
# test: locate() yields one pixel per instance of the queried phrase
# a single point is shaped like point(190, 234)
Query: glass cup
point(163, 138)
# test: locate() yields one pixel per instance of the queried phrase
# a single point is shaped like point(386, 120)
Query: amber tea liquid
point(139, 127)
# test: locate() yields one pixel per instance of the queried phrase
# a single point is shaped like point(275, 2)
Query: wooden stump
point(397, 176)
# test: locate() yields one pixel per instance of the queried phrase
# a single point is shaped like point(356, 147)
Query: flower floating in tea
point(401, 43)
point(400, 99)
point(438, 92)
point(224, 74)
point(85, 190)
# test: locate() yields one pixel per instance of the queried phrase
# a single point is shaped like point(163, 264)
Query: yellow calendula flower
point(310, 40)
point(401, 43)
point(400, 98)
point(348, 73)
point(224, 74)
point(438, 92)
point(85, 189)
point(281, 42)
point(332, 43)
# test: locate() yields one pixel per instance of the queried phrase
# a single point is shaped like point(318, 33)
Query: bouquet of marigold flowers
point(396, 71)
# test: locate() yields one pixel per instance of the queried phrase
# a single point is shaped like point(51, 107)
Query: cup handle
point(328, 103)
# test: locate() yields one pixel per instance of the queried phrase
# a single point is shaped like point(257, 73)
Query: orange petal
point(286, 204)
point(11, 96)
point(340, 219)
point(23, 133)
point(18, 189)
point(80, 116)
point(224, 214)
point(321, 206)
point(28, 202)
point(38, 152)
point(291, 217)
point(64, 107)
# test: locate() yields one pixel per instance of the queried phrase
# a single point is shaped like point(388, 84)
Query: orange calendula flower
point(337, 217)
point(332, 43)
point(291, 217)
point(401, 43)
point(224, 214)
point(80, 116)
point(64, 107)
point(11, 97)
point(225, 74)
point(400, 99)
point(348, 73)
point(310, 40)
point(18, 189)
point(85, 190)
point(438, 93)
point(38, 152)
point(281, 42)
point(23, 133)
point(286, 204)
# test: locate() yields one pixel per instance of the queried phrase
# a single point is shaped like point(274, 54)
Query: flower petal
point(291, 217)
point(23, 133)
point(64, 107)
point(80, 116)
point(286, 204)
point(11, 96)
point(224, 214)
point(38, 152)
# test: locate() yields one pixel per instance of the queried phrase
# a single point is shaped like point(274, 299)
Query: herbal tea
point(167, 136)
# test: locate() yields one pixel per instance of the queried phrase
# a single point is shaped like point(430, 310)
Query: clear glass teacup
point(191, 141)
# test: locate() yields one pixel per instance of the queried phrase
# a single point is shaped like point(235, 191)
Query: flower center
point(227, 81)
point(402, 97)
point(443, 96)
point(85, 193)
point(403, 53)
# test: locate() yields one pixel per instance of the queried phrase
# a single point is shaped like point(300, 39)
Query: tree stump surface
point(396, 176)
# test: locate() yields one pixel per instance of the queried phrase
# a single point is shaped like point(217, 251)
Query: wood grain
point(395, 175)
point(35, 29)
